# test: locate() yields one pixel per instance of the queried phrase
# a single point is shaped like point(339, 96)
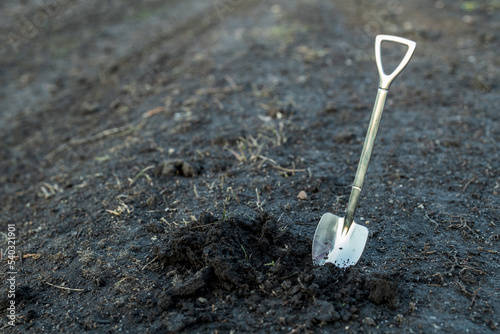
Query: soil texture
point(164, 165)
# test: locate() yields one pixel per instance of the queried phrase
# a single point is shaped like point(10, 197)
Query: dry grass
point(256, 150)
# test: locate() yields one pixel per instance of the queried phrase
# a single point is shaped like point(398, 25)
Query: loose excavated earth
point(245, 264)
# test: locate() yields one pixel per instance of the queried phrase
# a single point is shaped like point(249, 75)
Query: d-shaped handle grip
point(386, 79)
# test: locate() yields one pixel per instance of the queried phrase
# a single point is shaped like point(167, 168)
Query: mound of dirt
point(255, 265)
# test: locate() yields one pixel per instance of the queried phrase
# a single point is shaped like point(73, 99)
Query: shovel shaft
point(378, 108)
point(364, 160)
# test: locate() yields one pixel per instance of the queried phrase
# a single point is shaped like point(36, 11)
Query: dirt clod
point(176, 167)
point(383, 292)
point(345, 136)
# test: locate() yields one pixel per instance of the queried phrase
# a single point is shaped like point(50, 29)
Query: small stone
point(345, 136)
point(188, 170)
point(421, 206)
point(369, 321)
point(331, 108)
point(302, 195)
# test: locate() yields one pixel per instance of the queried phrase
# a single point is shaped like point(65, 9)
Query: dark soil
point(153, 154)
point(254, 265)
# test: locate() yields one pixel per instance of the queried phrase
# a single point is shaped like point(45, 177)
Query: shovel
point(340, 240)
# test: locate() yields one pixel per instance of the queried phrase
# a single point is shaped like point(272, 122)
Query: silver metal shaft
point(383, 88)
point(364, 160)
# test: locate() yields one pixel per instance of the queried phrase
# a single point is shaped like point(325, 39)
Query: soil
point(164, 166)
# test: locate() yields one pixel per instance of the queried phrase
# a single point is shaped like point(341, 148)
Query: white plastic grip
point(386, 79)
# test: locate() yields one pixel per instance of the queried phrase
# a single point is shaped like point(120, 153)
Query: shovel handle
point(386, 79)
point(378, 108)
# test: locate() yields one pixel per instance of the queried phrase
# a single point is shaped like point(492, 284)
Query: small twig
point(142, 173)
point(230, 189)
point(195, 192)
point(205, 225)
point(258, 202)
point(488, 250)
point(464, 290)
point(124, 279)
point(289, 170)
point(479, 271)
point(152, 112)
point(292, 274)
point(147, 264)
point(240, 158)
point(64, 288)
point(218, 103)
point(96, 137)
point(474, 295)
point(438, 275)
point(300, 282)
point(431, 220)
point(273, 162)
point(467, 183)
point(454, 264)
point(232, 83)
point(33, 256)
point(5, 326)
point(471, 295)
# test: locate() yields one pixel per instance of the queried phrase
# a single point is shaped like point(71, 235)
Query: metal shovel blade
point(332, 244)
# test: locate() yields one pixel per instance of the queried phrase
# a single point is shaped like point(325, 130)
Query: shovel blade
point(332, 244)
